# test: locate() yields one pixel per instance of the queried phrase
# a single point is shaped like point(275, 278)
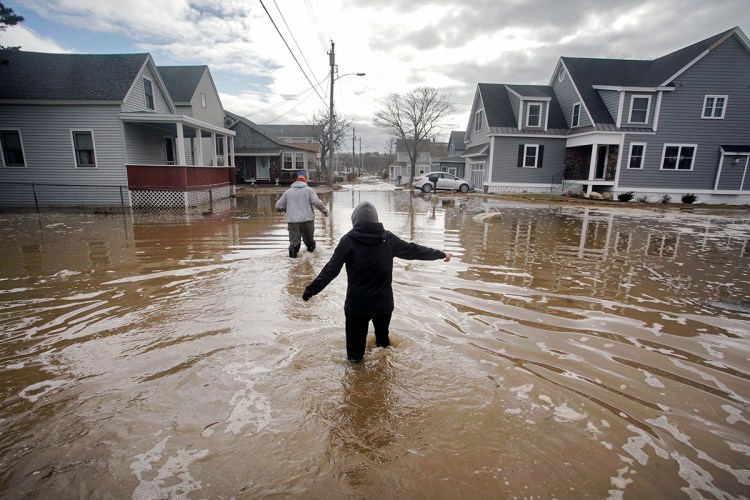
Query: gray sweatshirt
point(297, 202)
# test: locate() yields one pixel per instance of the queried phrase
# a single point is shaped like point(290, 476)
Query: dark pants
point(301, 230)
point(356, 334)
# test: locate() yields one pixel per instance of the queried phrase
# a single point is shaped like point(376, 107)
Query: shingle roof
point(290, 130)
point(68, 77)
point(257, 128)
point(499, 113)
point(457, 139)
point(587, 72)
point(181, 81)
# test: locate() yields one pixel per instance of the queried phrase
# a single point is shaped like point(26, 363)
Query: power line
point(295, 40)
point(292, 53)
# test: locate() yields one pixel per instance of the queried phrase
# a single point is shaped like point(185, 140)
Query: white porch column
point(180, 145)
point(592, 167)
point(198, 160)
point(231, 155)
point(213, 147)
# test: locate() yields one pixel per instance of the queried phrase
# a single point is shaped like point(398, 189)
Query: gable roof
point(588, 72)
point(499, 112)
point(182, 81)
point(457, 139)
point(68, 77)
point(257, 128)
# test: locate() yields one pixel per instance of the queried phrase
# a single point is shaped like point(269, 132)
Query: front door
point(601, 161)
point(169, 150)
point(262, 167)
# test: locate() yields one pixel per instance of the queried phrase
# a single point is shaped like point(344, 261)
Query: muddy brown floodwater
point(565, 352)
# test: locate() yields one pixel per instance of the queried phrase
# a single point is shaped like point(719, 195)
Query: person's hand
point(306, 296)
point(448, 256)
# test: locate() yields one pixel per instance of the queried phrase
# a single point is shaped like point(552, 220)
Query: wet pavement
point(566, 352)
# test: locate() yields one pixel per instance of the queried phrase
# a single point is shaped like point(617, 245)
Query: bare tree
point(415, 118)
point(320, 124)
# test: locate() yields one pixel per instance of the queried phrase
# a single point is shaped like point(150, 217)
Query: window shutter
point(520, 155)
point(541, 157)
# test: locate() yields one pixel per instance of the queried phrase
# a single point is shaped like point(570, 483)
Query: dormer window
point(713, 107)
point(478, 120)
point(148, 92)
point(533, 115)
point(639, 108)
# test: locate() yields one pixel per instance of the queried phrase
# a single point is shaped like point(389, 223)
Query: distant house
point(453, 163)
point(104, 129)
point(428, 151)
point(300, 136)
point(262, 157)
point(662, 128)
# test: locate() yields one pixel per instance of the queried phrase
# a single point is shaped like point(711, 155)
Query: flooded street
point(565, 352)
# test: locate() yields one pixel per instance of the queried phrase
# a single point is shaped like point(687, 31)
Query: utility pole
point(360, 156)
point(353, 135)
point(332, 60)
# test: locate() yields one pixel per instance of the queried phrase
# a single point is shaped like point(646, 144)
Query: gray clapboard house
point(263, 157)
point(104, 129)
point(658, 128)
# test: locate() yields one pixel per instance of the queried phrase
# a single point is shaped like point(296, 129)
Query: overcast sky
point(399, 44)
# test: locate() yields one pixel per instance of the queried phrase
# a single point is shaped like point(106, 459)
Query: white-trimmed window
point(576, 119)
point(203, 99)
point(639, 108)
point(287, 161)
point(299, 159)
point(83, 148)
point(12, 146)
point(678, 156)
point(478, 120)
point(530, 155)
point(533, 114)
point(637, 154)
point(561, 74)
point(148, 93)
point(714, 106)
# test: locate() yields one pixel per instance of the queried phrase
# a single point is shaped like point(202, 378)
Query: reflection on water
point(153, 357)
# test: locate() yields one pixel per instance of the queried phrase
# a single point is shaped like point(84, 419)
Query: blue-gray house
point(660, 128)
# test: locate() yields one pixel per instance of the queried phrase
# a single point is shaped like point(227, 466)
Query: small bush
point(351, 176)
point(643, 199)
point(625, 196)
point(689, 198)
point(666, 198)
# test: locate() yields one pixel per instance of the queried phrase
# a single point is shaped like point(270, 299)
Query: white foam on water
point(710, 378)
point(35, 392)
point(513, 411)
point(522, 391)
point(564, 413)
point(653, 381)
point(173, 471)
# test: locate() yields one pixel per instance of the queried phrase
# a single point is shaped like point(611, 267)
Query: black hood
point(363, 213)
point(366, 229)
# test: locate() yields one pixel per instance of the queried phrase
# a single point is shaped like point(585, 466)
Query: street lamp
point(332, 60)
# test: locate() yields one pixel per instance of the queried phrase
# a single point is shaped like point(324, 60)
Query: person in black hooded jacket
point(368, 251)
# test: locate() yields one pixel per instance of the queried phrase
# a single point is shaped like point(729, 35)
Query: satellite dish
point(227, 122)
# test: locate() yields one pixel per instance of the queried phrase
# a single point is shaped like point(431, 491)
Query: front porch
point(589, 167)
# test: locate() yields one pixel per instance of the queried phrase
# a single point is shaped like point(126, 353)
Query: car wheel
point(464, 188)
point(427, 188)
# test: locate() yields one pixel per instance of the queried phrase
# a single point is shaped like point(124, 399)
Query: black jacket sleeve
point(412, 251)
point(329, 271)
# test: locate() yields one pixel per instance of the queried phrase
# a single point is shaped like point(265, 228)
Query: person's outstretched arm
point(281, 204)
point(328, 273)
point(315, 201)
point(412, 251)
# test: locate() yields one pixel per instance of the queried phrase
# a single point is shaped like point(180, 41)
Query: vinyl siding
point(480, 137)
point(725, 71)
point(213, 113)
point(48, 147)
point(145, 145)
point(612, 102)
point(567, 96)
point(136, 100)
point(505, 160)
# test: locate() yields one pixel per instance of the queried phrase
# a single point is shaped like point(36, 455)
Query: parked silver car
point(441, 180)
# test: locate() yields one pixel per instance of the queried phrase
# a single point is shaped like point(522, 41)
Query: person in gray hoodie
point(368, 251)
point(298, 202)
